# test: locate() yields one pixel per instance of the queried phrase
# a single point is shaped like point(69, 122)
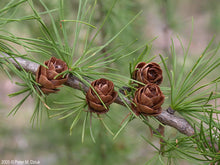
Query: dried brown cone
point(148, 100)
point(106, 92)
point(148, 73)
point(45, 76)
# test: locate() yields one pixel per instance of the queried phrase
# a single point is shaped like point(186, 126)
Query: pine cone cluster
point(149, 98)
point(46, 76)
point(105, 90)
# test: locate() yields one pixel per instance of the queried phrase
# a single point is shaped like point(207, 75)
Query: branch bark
point(165, 117)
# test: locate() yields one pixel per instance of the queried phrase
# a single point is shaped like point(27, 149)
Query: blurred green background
point(51, 144)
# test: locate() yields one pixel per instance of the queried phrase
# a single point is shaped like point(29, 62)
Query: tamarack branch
point(165, 117)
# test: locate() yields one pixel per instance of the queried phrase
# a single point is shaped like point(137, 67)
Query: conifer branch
point(165, 117)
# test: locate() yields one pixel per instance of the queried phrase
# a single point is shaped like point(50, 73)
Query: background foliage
point(50, 141)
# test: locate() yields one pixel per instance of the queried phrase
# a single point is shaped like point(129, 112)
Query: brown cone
point(45, 77)
point(148, 73)
point(105, 90)
point(148, 100)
